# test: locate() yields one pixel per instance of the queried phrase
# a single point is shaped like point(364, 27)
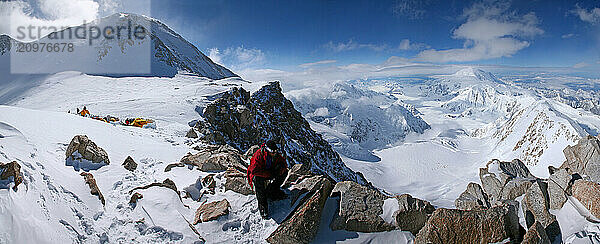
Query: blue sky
point(286, 34)
point(257, 37)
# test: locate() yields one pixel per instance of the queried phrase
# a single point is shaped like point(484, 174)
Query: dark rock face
point(302, 225)
point(134, 198)
point(505, 180)
point(11, 172)
point(91, 182)
point(213, 158)
point(129, 164)
point(359, 209)
point(210, 183)
point(243, 120)
point(237, 181)
point(412, 213)
point(87, 149)
point(584, 158)
point(212, 211)
point(472, 226)
point(536, 235)
point(472, 198)
point(588, 194)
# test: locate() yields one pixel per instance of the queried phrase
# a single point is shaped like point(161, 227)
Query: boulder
point(493, 225)
point(412, 213)
point(588, 194)
point(250, 152)
point(302, 225)
point(359, 209)
point(167, 183)
point(536, 235)
point(472, 198)
point(81, 147)
point(129, 164)
point(584, 158)
point(536, 204)
point(191, 133)
point(237, 181)
point(10, 172)
point(211, 211)
point(214, 158)
point(305, 185)
point(91, 182)
point(559, 184)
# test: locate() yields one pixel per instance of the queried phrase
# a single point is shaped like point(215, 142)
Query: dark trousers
point(263, 187)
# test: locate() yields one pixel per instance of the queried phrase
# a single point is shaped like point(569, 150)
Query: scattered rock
point(472, 198)
point(94, 190)
point(250, 152)
point(211, 211)
point(584, 158)
point(492, 225)
point(588, 194)
point(412, 213)
point(536, 235)
point(87, 149)
point(191, 134)
point(359, 209)
point(10, 172)
point(129, 164)
point(168, 183)
point(173, 165)
point(302, 225)
point(135, 197)
point(237, 181)
point(559, 184)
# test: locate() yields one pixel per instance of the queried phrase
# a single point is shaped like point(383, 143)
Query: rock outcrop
point(472, 198)
point(10, 172)
point(492, 225)
point(503, 181)
point(588, 194)
point(134, 198)
point(412, 213)
point(243, 120)
point(536, 235)
point(91, 182)
point(559, 185)
point(359, 209)
point(83, 153)
point(191, 133)
point(302, 225)
point(536, 206)
point(212, 211)
point(129, 164)
point(584, 158)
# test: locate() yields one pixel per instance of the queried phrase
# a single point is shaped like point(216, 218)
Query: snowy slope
point(163, 53)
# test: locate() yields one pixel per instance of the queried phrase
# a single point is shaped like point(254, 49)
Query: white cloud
point(238, 58)
point(567, 36)
point(55, 13)
point(591, 16)
point(581, 65)
point(306, 65)
point(404, 45)
point(412, 9)
point(491, 31)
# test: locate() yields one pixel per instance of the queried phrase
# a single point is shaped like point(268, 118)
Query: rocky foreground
point(234, 124)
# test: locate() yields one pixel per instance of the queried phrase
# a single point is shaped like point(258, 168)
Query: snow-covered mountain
point(356, 121)
point(162, 52)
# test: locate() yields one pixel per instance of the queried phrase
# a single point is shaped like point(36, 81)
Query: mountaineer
point(84, 112)
point(267, 171)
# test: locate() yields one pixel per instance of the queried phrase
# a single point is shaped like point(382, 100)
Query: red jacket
point(258, 165)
